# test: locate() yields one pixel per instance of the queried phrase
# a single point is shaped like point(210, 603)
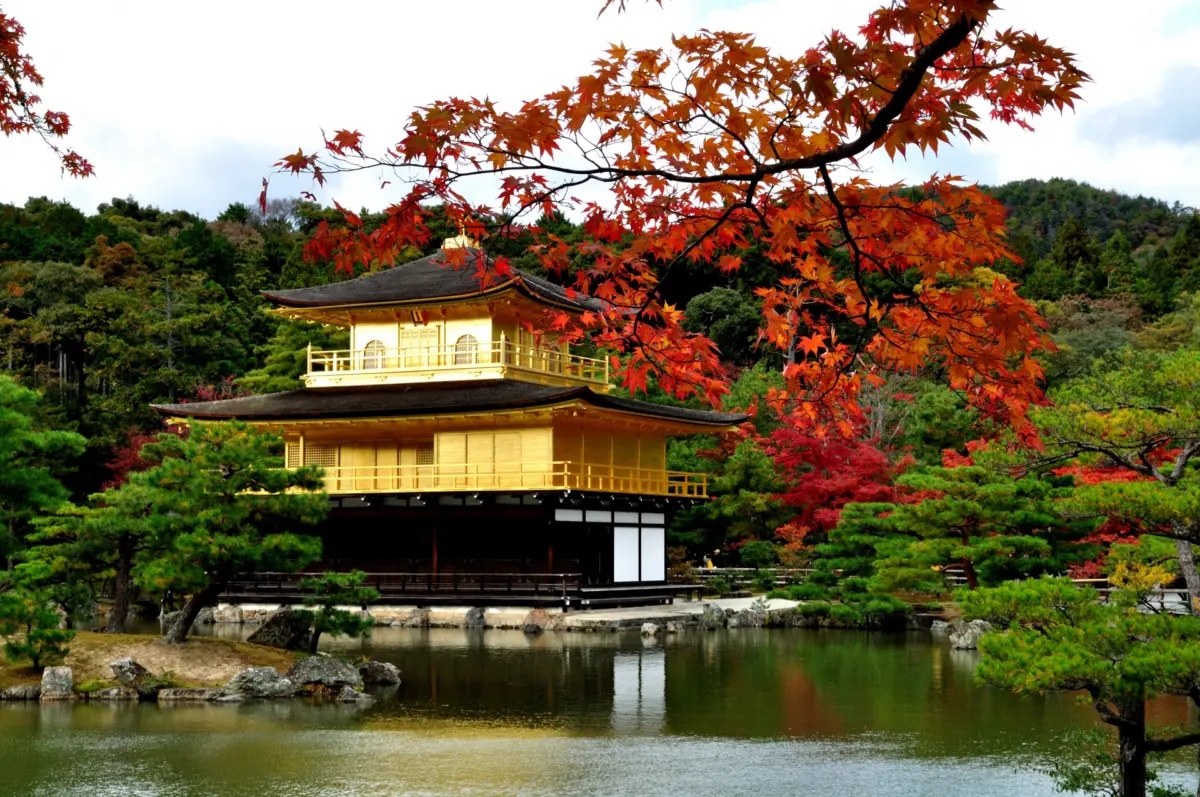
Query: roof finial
point(460, 241)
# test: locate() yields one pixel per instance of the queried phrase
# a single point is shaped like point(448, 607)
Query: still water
point(745, 712)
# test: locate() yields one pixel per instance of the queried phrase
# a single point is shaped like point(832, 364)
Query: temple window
point(466, 349)
point(373, 355)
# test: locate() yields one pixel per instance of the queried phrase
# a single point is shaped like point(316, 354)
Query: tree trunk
point(122, 588)
point(1187, 566)
point(313, 640)
point(1131, 755)
point(178, 633)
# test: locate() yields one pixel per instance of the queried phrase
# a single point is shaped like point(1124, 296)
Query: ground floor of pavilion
point(566, 550)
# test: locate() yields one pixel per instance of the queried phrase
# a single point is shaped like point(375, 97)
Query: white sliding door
point(654, 554)
point(626, 557)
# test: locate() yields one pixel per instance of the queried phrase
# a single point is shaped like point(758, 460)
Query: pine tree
point(215, 505)
point(330, 592)
point(1117, 263)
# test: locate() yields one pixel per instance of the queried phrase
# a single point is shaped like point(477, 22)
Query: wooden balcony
point(516, 476)
point(486, 359)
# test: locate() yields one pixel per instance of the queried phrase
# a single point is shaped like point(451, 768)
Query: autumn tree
point(217, 504)
point(21, 108)
point(714, 144)
point(1138, 412)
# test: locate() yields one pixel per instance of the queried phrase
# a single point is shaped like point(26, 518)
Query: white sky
point(187, 105)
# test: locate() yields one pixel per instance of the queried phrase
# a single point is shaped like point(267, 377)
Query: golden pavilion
point(468, 460)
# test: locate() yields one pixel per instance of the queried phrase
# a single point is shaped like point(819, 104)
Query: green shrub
point(29, 615)
point(718, 585)
point(758, 554)
point(764, 580)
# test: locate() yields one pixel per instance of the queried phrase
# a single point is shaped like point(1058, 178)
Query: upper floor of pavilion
point(434, 320)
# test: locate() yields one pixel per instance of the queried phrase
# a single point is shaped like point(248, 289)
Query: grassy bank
point(202, 661)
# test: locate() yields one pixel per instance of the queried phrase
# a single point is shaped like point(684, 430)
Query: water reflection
point(740, 712)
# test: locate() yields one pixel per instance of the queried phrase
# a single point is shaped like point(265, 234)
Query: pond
point(738, 712)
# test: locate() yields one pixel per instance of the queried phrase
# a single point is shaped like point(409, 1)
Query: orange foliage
point(714, 144)
point(19, 106)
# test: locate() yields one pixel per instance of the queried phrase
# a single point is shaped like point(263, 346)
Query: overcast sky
point(187, 105)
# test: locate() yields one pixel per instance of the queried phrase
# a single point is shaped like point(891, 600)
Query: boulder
point(417, 618)
point(939, 628)
point(191, 695)
point(539, 617)
point(114, 694)
point(30, 692)
point(753, 617)
point(713, 617)
point(228, 613)
point(226, 699)
point(673, 627)
point(650, 629)
point(348, 695)
point(379, 673)
point(207, 616)
point(966, 636)
point(264, 682)
point(532, 629)
point(324, 671)
point(58, 683)
point(287, 629)
point(789, 617)
point(475, 617)
point(132, 675)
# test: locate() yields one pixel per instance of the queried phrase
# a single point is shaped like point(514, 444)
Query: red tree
point(715, 143)
point(20, 110)
point(824, 474)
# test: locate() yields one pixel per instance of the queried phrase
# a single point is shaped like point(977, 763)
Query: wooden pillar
point(550, 556)
point(435, 552)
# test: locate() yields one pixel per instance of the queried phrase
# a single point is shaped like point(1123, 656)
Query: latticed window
point(324, 455)
point(292, 455)
point(425, 452)
point(419, 346)
point(466, 349)
point(373, 355)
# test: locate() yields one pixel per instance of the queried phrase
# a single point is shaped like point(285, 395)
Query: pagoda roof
point(377, 401)
point(429, 279)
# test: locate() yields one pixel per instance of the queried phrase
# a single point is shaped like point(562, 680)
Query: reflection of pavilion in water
point(639, 702)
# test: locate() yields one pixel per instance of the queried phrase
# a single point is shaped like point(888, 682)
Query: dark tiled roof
point(427, 279)
point(425, 399)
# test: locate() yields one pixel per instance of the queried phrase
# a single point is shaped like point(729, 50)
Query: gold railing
point(514, 476)
point(459, 356)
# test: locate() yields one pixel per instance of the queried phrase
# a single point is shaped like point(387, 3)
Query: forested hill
point(1039, 208)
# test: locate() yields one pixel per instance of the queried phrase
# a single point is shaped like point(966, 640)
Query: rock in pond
point(190, 695)
point(348, 695)
point(753, 617)
point(966, 636)
point(476, 617)
point(228, 613)
point(264, 682)
point(532, 629)
point(417, 618)
point(939, 628)
point(650, 629)
point(29, 692)
point(324, 671)
point(132, 675)
point(789, 617)
point(673, 627)
point(287, 629)
point(58, 683)
point(379, 673)
point(713, 617)
point(114, 694)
